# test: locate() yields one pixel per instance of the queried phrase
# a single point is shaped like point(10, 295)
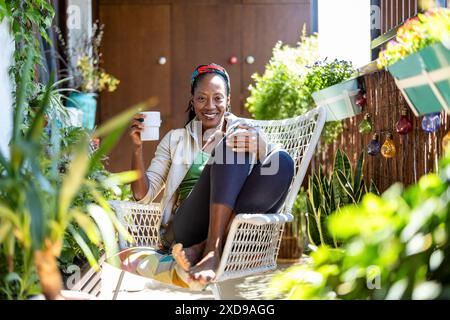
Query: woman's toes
point(180, 257)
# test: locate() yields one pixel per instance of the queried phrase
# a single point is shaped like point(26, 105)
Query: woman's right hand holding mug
point(136, 128)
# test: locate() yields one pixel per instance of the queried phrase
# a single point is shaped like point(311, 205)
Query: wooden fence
point(417, 152)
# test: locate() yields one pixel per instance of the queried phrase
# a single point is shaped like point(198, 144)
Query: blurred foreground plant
point(37, 199)
point(396, 246)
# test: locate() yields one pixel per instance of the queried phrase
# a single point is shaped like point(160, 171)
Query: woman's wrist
point(137, 150)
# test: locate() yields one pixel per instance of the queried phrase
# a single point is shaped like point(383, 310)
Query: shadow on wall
point(6, 54)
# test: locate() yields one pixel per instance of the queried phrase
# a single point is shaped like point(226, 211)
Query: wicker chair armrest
point(264, 218)
point(133, 205)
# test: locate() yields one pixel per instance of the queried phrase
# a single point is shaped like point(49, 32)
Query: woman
point(211, 170)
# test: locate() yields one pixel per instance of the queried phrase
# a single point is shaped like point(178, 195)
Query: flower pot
point(424, 79)
point(339, 100)
point(291, 247)
point(87, 103)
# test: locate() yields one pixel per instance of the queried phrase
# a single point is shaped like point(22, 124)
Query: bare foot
point(205, 270)
point(186, 257)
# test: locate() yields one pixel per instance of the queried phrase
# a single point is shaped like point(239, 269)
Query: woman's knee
point(223, 154)
point(279, 164)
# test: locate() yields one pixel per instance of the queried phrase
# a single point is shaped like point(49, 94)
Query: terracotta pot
point(291, 248)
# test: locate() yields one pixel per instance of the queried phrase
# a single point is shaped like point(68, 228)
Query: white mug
point(152, 122)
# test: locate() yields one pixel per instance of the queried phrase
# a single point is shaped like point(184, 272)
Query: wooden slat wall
point(395, 12)
point(417, 152)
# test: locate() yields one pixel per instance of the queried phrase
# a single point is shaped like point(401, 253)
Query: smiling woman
point(211, 170)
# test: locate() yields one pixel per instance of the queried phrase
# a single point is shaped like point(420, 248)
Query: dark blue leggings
point(229, 183)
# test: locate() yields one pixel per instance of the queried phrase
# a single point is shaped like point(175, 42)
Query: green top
point(191, 177)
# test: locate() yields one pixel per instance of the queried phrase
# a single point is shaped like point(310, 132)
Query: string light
point(388, 147)
point(366, 125)
point(431, 122)
point(374, 145)
point(403, 125)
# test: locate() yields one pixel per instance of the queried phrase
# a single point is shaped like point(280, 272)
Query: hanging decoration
point(366, 125)
point(388, 147)
point(431, 122)
point(374, 146)
point(446, 141)
point(361, 99)
point(404, 124)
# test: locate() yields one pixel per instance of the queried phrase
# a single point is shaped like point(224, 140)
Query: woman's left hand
point(247, 139)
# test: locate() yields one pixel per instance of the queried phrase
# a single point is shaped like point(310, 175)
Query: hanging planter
point(339, 100)
point(423, 78)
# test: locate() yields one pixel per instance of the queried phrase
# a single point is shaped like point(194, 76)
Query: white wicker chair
point(254, 239)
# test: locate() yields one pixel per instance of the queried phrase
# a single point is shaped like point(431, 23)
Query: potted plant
point(36, 197)
point(87, 76)
point(285, 88)
point(419, 61)
point(333, 87)
point(327, 195)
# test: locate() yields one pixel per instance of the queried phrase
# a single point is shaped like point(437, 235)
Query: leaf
point(105, 206)
point(88, 226)
point(37, 216)
point(5, 164)
point(119, 121)
point(108, 234)
point(338, 161)
point(73, 179)
point(21, 96)
point(105, 146)
point(359, 172)
point(8, 214)
point(83, 245)
point(373, 188)
point(345, 184)
point(347, 167)
point(340, 196)
point(120, 178)
point(5, 228)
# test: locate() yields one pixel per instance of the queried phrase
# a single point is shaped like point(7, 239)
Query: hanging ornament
point(388, 147)
point(374, 146)
point(431, 122)
point(446, 141)
point(361, 99)
point(366, 125)
point(403, 125)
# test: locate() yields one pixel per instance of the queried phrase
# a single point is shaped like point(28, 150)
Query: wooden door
point(202, 34)
point(136, 36)
point(267, 22)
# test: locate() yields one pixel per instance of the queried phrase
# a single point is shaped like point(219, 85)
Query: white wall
point(6, 59)
point(344, 30)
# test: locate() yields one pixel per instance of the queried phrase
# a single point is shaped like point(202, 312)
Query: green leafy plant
point(84, 59)
point(396, 247)
point(25, 17)
point(291, 76)
point(278, 94)
point(326, 195)
point(427, 28)
point(36, 198)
